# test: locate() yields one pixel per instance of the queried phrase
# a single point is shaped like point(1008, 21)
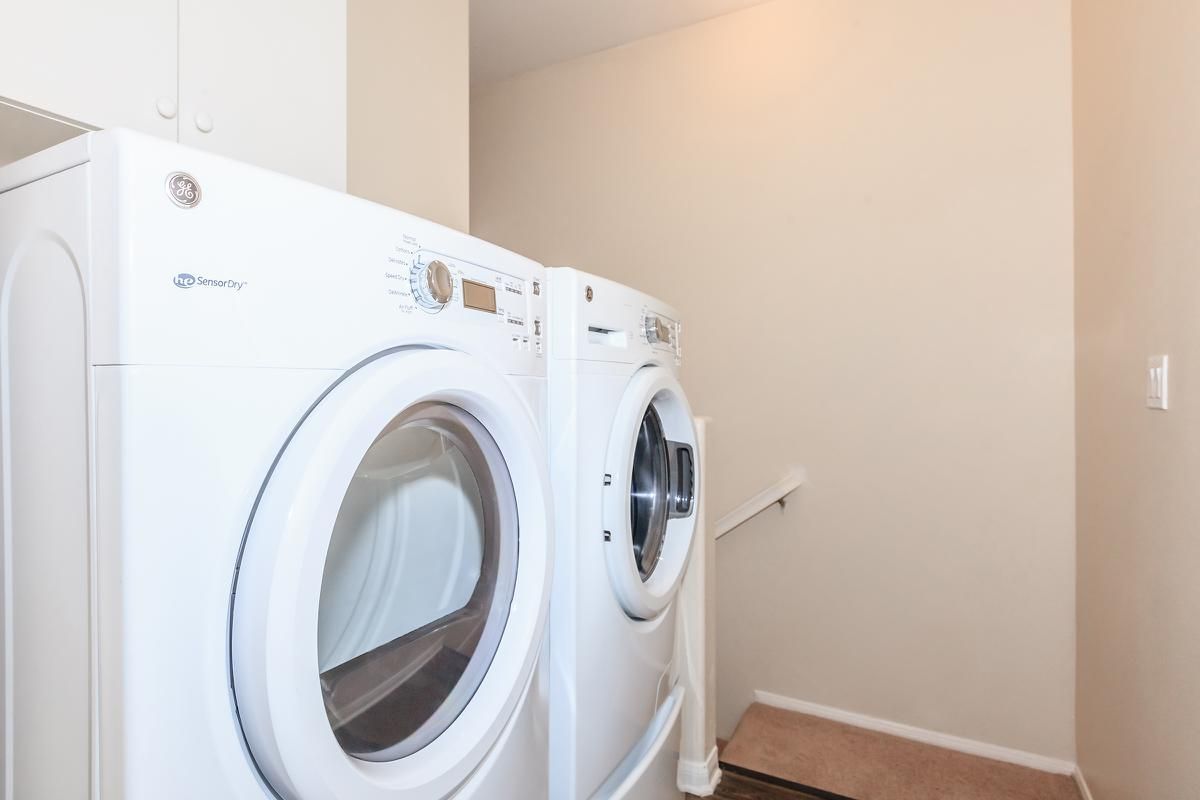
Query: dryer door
point(649, 499)
point(392, 591)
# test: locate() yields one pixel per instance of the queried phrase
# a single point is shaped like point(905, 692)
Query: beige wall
point(863, 210)
point(1137, 151)
point(24, 132)
point(408, 106)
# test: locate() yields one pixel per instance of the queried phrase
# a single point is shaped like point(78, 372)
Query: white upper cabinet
point(103, 64)
point(264, 81)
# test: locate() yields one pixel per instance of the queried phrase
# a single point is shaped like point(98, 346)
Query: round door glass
point(649, 493)
point(417, 583)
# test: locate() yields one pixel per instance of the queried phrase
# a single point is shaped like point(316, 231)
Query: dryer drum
point(418, 582)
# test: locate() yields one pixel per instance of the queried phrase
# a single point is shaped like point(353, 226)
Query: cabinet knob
point(204, 123)
point(166, 108)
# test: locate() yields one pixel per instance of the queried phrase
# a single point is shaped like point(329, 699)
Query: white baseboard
point(1080, 782)
point(970, 746)
point(700, 777)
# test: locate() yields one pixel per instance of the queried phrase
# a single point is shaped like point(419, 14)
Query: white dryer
point(622, 460)
point(275, 498)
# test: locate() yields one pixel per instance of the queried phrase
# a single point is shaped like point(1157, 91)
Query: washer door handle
point(681, 467)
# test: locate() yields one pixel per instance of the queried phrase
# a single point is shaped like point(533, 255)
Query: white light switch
point(1157, 374)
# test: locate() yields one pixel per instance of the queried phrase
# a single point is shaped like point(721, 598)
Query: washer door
point(391, 596)
point(649, 499)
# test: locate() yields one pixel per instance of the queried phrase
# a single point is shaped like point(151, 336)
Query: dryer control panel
point(265, 270)
point(438, 283)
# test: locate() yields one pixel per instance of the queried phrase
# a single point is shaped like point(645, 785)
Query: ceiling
point(513, 36)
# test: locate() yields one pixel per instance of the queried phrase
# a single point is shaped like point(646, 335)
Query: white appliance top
point(199, 260)
point(596, 319)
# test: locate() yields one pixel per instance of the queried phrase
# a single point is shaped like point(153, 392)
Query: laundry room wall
point(1137, 165)
point(408, 106)
point(864, 212)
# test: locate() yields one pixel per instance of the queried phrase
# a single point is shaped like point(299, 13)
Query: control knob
point(657, 330)
point(433, 284)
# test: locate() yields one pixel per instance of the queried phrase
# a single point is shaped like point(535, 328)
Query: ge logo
point(183, 189)
point(185, 281)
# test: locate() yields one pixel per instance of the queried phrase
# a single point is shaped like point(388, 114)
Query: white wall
point(864, 211)
point(1137, 164)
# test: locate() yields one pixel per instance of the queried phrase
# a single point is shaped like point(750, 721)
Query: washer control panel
point(661, 333)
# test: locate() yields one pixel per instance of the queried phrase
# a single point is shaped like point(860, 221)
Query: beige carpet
point(865, 765)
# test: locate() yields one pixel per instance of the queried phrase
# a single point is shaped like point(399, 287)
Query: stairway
point(783, 755)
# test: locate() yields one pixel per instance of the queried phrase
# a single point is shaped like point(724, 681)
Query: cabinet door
point(264, 81)
point(103, 64)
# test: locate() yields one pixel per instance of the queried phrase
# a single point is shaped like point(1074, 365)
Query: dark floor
point(739, 787)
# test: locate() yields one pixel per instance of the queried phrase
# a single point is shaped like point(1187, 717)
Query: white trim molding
point(1009, 755)
point(1081, 783)
point(700, 777)
point(696, 654)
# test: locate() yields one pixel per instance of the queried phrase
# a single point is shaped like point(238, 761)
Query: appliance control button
point(433, 284)
point(657, 330)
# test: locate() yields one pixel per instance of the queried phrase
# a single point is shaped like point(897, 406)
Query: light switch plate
point(1157, 384)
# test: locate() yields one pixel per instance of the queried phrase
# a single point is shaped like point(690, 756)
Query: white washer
point(622, 464)
point(275, 500)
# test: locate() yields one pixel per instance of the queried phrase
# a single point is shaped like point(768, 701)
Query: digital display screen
point(479, 296)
